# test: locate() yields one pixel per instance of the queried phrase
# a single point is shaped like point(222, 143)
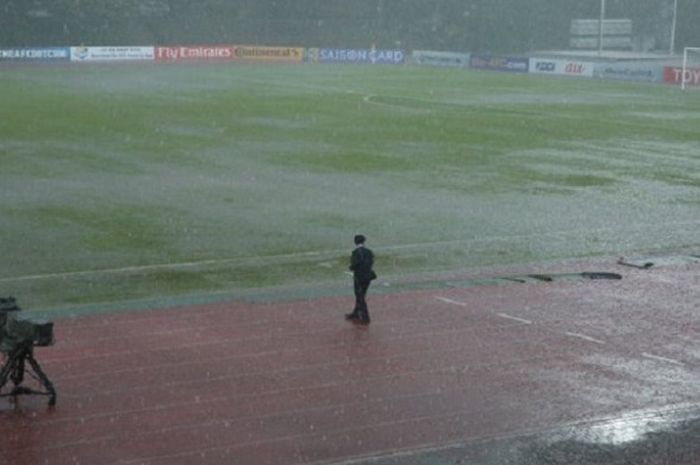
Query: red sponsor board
point(199, 52)
point(674, 74)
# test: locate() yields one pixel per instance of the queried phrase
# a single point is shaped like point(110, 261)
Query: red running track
point(293, 383)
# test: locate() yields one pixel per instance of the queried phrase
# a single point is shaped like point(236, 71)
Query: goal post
point(691, 63)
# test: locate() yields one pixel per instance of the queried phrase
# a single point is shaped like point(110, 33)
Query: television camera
point(19, 334)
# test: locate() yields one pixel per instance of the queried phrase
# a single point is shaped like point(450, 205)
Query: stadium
point(180, 188)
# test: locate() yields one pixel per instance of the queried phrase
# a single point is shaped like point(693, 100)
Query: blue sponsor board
point(498, 63)
point(370, 56)
point(629, 72)
point(35, 54)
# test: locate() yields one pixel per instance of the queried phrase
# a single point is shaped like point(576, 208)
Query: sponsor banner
point(286, 54)
point(673, 74)
point(311, 55)
point(498, 63)
point(442, 59)
point(367, 56)
point(628, 72)
point(35, 54)
point(561, 67)
point(112, 53)
point(200, 53)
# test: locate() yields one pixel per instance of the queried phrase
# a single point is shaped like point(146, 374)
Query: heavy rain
point(335, 232)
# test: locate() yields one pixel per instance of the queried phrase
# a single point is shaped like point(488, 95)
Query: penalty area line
point(514, 318)
point(585, 338)
point(662, 359)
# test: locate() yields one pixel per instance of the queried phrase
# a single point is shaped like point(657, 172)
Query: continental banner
point(35, 54)
point(284, 54)
point(196, 53)
point(112, 53)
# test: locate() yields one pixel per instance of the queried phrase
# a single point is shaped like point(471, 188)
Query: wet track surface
point(660, 437)
point(529, 372)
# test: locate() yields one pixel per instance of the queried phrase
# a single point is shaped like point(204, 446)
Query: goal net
point(690, 73)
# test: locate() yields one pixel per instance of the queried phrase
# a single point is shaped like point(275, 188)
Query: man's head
point(360, 239)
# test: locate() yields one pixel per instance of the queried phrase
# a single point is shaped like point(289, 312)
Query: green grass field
point(133, 182)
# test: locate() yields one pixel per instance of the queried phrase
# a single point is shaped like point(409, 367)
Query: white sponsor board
point(112, 53)
point(561, 67)
point(441, 59)
point(640, 72)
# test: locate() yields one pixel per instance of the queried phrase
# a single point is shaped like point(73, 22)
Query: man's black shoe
point(351, 316)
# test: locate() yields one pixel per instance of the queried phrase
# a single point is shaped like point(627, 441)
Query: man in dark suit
point(361, 262)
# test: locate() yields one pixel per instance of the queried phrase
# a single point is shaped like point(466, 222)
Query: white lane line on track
point(662, 359)
point(515, 318)
point(585, 338)
point(450, 301)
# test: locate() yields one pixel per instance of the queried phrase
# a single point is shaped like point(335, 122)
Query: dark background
point(458, 25)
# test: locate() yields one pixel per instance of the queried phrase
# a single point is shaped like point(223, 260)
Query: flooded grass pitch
point(129, 182)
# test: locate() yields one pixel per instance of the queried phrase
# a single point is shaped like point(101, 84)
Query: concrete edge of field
point(570, 269)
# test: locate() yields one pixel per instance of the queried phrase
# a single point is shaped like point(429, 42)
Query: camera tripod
point(15, 367)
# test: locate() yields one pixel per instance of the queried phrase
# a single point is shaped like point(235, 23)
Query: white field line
point(585, 338)
point(315, 253)
point(406, 108)
point(162, 266)
point(515, 318)
point(450, 301)
point(662, 359)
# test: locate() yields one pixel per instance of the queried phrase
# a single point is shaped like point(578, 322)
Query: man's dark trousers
point(361, 311)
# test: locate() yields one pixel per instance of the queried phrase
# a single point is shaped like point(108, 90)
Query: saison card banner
point(367, 56)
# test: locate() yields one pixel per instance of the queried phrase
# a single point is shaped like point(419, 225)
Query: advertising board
point(199, 53)
point(366, 56)
point(112, 53)
point(499, 63)
point(311, 55)
point(440, 59)
point(672, 75)
point(629, 72)
point(561, 67)
point(284, 54)
point(35, 54)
